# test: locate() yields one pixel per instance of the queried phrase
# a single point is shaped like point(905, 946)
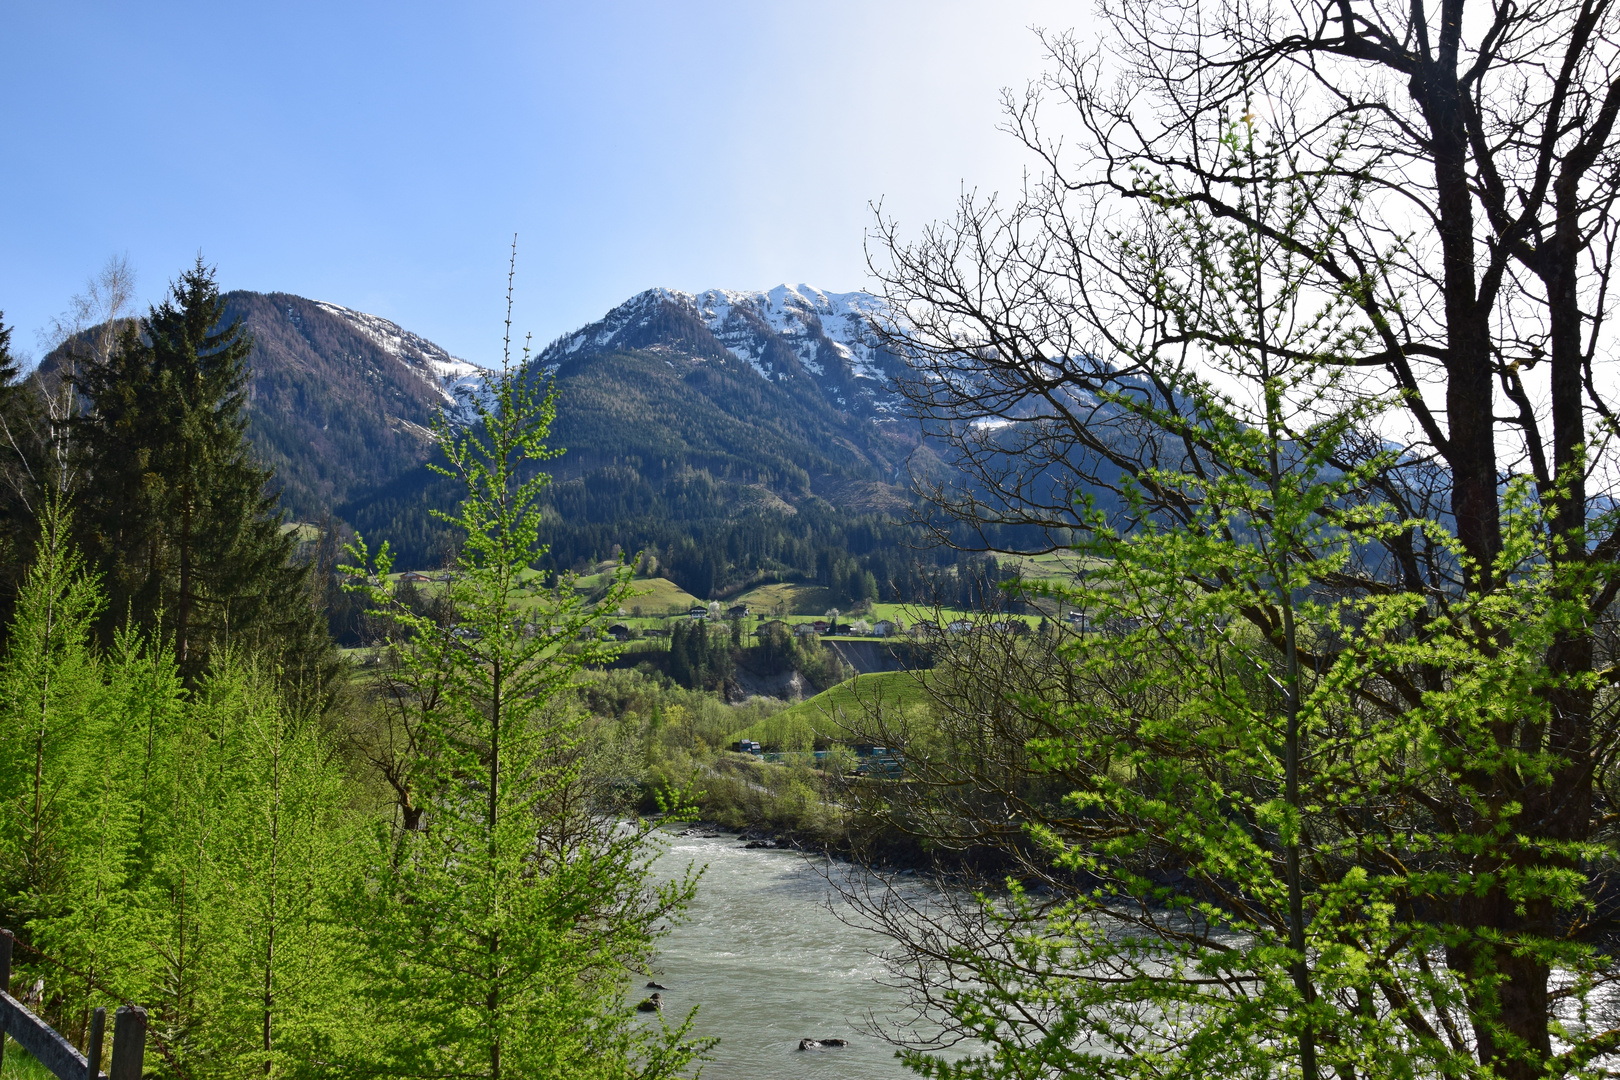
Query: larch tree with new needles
point(501, 926)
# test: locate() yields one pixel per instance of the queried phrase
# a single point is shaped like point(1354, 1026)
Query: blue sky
point(382, 155)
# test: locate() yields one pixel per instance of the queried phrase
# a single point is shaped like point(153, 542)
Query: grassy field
point(786, 598)
point(303, 533)
point(659, 597)
point(20, 1065)
point(656, 595)
point(910, 614)
point(818, 718)
point(1057, 565)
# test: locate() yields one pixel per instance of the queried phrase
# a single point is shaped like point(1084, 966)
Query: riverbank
point(655, 740)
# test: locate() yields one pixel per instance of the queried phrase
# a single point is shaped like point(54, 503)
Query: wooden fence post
point(6, 938)
point(55, 1053)
point(92, 1048)
point(129, 1043)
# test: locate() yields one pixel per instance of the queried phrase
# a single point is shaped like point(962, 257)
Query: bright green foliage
point(261, 845)
point(506, 907)
point(52, 697)
point(1262, 797)
point(175, 849)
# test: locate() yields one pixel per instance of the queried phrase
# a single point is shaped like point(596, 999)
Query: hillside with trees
point(288, 869)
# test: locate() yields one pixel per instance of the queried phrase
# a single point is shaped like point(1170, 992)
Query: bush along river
point(770, 964)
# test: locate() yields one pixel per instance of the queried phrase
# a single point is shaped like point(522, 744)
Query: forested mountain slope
point(341, 401)
point(685, 407)
point(733, 433)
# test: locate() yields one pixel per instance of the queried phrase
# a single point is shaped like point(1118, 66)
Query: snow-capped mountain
point(792, 333)
point(457, 382)
point(673, 407)
point(342, 403)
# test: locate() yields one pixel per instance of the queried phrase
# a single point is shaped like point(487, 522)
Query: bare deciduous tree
point(85, 333)
point(1463, 164)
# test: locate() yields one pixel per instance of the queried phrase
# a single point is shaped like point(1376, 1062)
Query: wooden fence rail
point(55, 1052)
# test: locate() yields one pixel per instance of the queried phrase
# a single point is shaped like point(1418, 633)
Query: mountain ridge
point(785, 334)
point(341, 401)
point(683, 416)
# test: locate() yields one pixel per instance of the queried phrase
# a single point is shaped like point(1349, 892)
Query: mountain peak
point(785, 334)
point(457, 382)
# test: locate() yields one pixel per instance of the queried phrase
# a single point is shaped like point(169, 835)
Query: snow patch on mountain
point(459, 383)
point(831, 336)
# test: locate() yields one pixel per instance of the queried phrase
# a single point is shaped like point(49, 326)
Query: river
point(769, 964)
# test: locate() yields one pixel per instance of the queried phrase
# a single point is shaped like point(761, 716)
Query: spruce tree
point(176, 514)
point(8, 363)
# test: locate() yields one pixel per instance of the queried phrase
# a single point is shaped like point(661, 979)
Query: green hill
point(816, 720)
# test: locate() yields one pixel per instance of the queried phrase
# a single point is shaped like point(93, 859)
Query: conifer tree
point(8, 363)
point(71, 815)
point(104, 917)
point(499, 932)
point(259, 847)
point(177, 515)
point(49, 688)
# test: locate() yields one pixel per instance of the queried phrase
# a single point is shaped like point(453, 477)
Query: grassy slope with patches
point(656, 595)
point(799, 727)
point(786, 599)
